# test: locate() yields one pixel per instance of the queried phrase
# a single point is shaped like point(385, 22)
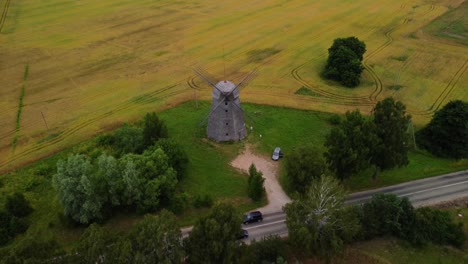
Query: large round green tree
point(344, 62)
point(447, 133)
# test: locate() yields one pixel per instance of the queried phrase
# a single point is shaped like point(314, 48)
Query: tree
point(132, 181)
point(447, 133)
point(319, 222)
point(344, 62)
point(438, 227)
point(213, 238)
point(349, 145)
point(79, 189)
point(157, 239)
point(177, 156)
point(34, 250)
point(255, 188)
point(354, 44)
point(128, 139)
point(17, 205)
point(381, 215)
point(161, 178)
point(108, 170)
point(153, 129)
point(391, 125)
point(94, 245)
point(303, 165)
point(266, 250)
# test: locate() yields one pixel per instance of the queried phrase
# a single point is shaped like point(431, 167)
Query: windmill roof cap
point(225, 86)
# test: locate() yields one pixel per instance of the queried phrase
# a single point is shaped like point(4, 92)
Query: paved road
point(421, 192)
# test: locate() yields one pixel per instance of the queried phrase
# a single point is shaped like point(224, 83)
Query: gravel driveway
point(277, 198)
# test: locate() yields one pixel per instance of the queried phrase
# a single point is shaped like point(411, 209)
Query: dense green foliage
point(17, 205)
point(447, 133)
point(391, 125)
point(387, 214)
point(153, 129)
point(255, 188)
point(213, 238)
point(381, 216)
point(319, 223)
point(437, 227)
point(357, 142)
point(156, 239)
point(143, 176)
point(87, 190)
point(350, 145)
point(344, 62)
point(303, 165)
point(35, 250)
point(12, 220)
point(135, 139)
point(267, 250)
point(177, 156)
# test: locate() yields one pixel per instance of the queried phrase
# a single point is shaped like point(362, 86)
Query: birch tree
point(319, 223)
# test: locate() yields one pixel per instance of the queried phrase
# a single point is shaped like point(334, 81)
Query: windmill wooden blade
point(248, 78)
point(211, 112)
point(199, 72)
point(248, 115)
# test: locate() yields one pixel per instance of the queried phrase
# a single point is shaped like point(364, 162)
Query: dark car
point(277, 154)
point(253, 217)
point(243, 234)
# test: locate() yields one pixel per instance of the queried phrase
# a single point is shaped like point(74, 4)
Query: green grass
point(261, 54)
point(393, 251)
point(422, 165)
point(20, 108)
point(306, 91)
point(209, 171)
point(452, 25)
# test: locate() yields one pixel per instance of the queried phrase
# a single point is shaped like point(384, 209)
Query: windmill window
point(225, 110)
point(227, 124)
point(227, 134)
point(225, 103)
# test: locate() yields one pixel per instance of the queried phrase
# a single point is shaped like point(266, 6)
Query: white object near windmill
point(226, 119)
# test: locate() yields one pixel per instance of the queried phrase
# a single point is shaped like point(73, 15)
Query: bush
point(380, 216)
point(178, 158)
point(447, 133)
point(153, 129)
point(267, 250)
point(45, 170)
point(17, 205)
point(255, 188)
point(334, 120)
point(438, 227)
point(202, 201)
point(17, 226)
point(302, 166)
point(179, 203)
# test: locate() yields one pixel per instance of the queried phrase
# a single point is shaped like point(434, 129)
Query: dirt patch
point(458, 203)
point(277, 198)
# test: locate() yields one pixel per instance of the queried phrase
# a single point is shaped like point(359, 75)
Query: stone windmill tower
point(226, 119)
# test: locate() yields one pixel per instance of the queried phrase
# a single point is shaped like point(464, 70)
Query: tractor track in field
point(72, 130)
point(325, 96)
point(4, 14)
point(446, 92)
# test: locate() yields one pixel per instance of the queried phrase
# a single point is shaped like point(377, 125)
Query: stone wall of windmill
point(226, 122)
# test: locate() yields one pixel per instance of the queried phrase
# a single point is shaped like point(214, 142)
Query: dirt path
point(275, 194)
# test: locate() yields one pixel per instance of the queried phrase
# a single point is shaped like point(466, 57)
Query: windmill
point(226, 119)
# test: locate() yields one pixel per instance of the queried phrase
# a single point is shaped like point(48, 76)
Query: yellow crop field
point(72, 69)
